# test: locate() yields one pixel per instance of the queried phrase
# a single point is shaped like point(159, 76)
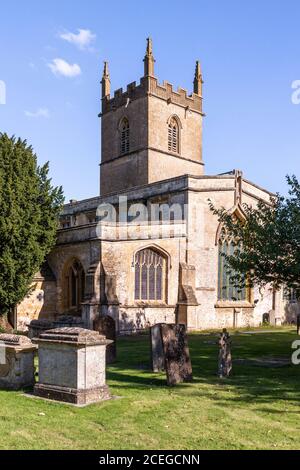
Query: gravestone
point(16, 362)
point(225, 360)
point(106, 326)
point(266, 318)
point(157, 349)
point(72, 366)
point(177, 357)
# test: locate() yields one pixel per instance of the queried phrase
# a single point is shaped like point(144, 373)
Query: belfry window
point(124, 136)
point(227, 288)
point(173, 136)
point(150, 276)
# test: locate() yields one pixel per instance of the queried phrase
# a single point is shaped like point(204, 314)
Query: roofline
point(224, 176)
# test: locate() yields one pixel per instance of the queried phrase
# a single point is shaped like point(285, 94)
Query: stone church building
point(149, 249)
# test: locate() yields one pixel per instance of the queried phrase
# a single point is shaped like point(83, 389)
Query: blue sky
point(250, 55)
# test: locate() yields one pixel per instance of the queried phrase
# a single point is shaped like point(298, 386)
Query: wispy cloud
point(83, 39)
point(62, 67)
point(39, 113)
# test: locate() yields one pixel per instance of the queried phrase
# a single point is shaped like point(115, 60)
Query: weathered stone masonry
point(151, 156)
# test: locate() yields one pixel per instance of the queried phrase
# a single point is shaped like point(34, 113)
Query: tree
point(29, 209)
point(267, 241)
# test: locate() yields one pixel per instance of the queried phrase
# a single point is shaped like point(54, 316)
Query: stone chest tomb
point(72, 366)
point(16, 362)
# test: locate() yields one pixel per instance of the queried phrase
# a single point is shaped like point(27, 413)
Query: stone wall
point(40, 303)
point(192, 241)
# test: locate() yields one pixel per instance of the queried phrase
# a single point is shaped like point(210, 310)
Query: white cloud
point(41, 112)
point(82, 39)
point(62, 67)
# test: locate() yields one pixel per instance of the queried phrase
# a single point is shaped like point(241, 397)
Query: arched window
point(227, 288)
point(74, 286)
point(124, 136)
point(173, 136)
point(150, 276)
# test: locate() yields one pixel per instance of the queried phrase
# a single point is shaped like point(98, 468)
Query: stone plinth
point(177, 357)
point(157, 350)
point(16, 362)
point(72, 366)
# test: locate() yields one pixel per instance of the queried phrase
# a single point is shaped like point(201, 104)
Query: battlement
point(149, 86)
point(179, 96)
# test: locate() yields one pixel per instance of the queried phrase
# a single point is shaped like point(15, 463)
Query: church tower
point(149, 132)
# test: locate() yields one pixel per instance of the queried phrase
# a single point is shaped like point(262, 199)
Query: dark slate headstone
point(157, 350)
point(106, 326)
point(225, 359)
point(177, 357)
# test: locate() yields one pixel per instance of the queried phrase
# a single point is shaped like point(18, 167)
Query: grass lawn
point(258, 408)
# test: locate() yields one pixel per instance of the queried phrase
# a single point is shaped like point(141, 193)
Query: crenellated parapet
point(180, 96)
point(123, 98)
point(149, 86)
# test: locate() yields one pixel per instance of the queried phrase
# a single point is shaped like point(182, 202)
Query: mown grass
point(258, 408)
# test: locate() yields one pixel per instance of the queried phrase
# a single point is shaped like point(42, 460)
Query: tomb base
point(72, 395)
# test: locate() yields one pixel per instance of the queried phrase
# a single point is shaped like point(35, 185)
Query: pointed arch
point(174, 127)
point(227, 289)
point(73, 286)
point(236, 211)
point(150, 268)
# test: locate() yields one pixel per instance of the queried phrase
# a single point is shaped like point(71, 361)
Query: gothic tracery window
point(173, 136)
point(227, 288)
point(124, 136)
point(150, 276)
point(74, 286)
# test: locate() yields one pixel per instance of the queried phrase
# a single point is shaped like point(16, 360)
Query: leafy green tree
point(29, 209)
point(267, 241)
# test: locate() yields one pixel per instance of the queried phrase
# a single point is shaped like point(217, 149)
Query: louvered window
point(173, 136)
point(125, 137)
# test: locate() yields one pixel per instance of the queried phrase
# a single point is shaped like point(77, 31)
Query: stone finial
point(149, 60)
point(198, 79)
point(105, 81)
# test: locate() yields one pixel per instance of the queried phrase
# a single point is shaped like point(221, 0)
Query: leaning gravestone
point(16, 362)
point(177, 357)
point(106, 326)
point(157, 349)
point(72, 366)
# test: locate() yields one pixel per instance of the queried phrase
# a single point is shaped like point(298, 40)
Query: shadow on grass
point(248, 384)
